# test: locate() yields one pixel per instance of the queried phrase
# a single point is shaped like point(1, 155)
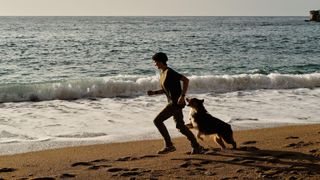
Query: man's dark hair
point(160, 56)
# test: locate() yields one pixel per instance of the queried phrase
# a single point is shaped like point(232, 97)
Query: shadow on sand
point(266, 163)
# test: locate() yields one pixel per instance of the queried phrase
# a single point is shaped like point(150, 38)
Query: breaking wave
point(130, 86)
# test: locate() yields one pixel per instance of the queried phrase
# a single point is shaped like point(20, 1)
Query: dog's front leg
point(199, 136)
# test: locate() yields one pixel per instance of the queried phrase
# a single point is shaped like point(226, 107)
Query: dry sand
point(291, 152)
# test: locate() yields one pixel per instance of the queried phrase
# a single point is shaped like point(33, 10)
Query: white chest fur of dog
point(192, 112)
point(193, 124)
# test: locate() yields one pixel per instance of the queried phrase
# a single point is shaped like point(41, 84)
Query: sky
point(157, 7)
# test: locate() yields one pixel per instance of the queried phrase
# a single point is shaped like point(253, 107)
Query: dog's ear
point(202, 100)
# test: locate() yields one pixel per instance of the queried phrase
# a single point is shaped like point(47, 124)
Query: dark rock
point(315, 15)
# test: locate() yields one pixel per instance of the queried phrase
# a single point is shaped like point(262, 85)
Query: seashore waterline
point(30, 126)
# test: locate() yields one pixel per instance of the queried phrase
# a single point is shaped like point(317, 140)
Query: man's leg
point(165, 114)
point(178, 118)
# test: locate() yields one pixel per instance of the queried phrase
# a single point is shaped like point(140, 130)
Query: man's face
point(158, 64)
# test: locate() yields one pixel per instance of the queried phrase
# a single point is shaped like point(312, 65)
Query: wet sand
point(291, 152)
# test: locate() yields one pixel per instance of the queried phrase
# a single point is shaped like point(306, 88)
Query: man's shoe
point(198, 150)
point(167, 149)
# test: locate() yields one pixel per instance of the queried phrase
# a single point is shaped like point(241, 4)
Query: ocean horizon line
point(153, 16)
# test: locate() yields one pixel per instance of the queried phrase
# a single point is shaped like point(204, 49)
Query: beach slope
point(291, 152)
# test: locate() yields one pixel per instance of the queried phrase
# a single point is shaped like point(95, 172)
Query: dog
point(208, 125)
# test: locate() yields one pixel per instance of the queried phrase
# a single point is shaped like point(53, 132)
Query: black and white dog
point(207, 125)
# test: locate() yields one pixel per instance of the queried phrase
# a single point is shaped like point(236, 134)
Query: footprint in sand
point(99, 160)
point(157, 173)
point(236, 159)
point(194, 162)
point(130, 173)
point(81, 164)
point(129, 158)
point(185, 164)
point(209, 173)
point(148, 156)
point(249, 142)
point(67, 175)
point(315, 152)
point(43, 178)
point(299, 144)
point(4, 170)
point(96, 167)
point(93, 165)
point(248, 148)
point(204, 162)
point(285, 155)
point(125, 172)
point(292, 137)
point(117, 169)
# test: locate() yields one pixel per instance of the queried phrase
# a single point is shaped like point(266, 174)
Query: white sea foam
point(29, 126)
point(131, 86)
point(229, 83)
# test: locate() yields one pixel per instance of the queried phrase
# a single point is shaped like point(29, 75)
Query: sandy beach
point(291, 152)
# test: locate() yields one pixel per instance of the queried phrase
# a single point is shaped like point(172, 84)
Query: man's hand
point(150, 93)
point(181, 101)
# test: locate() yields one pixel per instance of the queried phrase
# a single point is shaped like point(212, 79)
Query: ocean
point(68, 81)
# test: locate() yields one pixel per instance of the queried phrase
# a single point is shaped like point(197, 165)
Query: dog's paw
point(190, 126)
